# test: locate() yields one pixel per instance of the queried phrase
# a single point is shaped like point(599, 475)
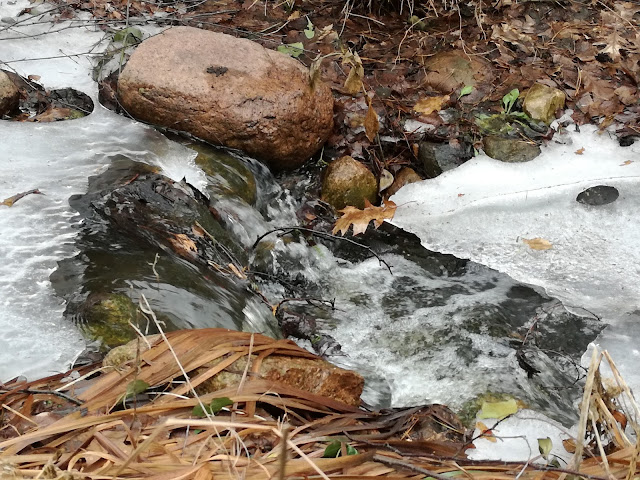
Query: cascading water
point(436, 328)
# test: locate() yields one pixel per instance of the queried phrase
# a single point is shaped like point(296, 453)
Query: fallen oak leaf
point(580, 151)
point(11, 200)
point(360, 218)
point(538, 243)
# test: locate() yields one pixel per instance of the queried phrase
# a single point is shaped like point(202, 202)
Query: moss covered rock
point(106, 317)
point(348, 182)
point(510, 150)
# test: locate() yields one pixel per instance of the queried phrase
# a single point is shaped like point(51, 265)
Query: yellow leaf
point(538, 243)
point(499, 409)
point(428, 105)
point(295, 15)
point(360, 218)
point(371, 123)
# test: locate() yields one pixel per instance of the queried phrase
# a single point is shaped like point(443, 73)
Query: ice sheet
point(484, 209)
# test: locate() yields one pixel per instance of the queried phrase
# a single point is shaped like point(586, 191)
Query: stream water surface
point(430, 328)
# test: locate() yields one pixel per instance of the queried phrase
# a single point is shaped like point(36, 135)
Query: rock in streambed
point(228, 91)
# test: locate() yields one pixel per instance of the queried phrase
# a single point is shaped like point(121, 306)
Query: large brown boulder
point(228, 91)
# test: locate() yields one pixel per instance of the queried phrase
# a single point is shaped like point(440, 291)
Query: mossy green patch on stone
point(106, 318)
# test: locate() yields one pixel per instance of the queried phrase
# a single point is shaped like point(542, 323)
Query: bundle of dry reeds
point(101, 426)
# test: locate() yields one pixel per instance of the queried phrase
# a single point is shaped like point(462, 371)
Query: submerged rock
point(171, 215)
point(228, 91)
point(9, 95)
point(348, 182)
point(541, 102)
point(226, 174)
point(509, 149)
point(107, 317)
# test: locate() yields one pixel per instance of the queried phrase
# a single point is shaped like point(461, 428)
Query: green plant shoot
point(509, 100)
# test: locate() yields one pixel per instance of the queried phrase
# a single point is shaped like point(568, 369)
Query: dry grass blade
point(162, 440)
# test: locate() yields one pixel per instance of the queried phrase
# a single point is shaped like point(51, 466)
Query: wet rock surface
point(509, 149)
point(230, 92)
point(440, 157)
point(140, 237)
point(598, 195)
point(348, 182)
point(28, 101)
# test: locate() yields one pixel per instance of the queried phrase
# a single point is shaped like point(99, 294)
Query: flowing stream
point(430, 328)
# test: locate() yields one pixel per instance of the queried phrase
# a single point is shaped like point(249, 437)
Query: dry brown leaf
point(371, 123)
point(580, 151)
point(353, 83)
point(538, 243)
point(13, 199)
point(487, 434)
point(360, 218)
point(314, 71)
point(626, 162)
point(612, 45)
point(183, 244)
point(428, 105)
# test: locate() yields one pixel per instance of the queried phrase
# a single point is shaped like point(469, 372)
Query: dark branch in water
point(328, 236)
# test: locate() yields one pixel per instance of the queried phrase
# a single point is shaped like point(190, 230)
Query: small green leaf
point(292, 49)
point(310, 31)
point(498, 410)
point(134, 388)
point(214, 407)
point(509, 99)
point(466, 90)
point(545, 445)
point(218, 404)
point(198, 411)
point(332, 450)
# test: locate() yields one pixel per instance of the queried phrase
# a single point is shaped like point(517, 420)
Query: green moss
point(106, 318)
